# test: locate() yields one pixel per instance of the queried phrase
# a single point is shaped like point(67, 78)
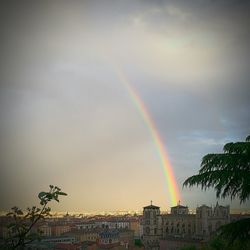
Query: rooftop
point(151, 206)
point(179, 206)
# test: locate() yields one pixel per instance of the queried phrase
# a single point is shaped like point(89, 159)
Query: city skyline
point(67, 118)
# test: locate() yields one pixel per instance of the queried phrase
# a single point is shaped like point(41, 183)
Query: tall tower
point(203, 214)
point(151, 215)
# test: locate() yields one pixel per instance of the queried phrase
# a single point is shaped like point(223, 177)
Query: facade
point(208, 220)
point(180, 226)
point(135, 226)
point(114, 224)
point(85, 226)
point(45, 230)
point(85, 235)
point(60, 239)
point(126, 238)
point(108, 238)
point(57, 229)
point(151, 225)
point(179, 209)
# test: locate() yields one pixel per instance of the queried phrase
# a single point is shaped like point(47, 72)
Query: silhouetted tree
point(229, 174)
point(20, 230)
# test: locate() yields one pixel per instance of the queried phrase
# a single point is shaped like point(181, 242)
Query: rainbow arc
point(149, 122)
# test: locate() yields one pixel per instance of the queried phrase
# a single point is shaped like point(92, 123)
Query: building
point(108, 238)
point(126, 238)
point(151, 233)
point(135, 226)
point(179, 209)
point(180, 227)
point(208, 220)
point(112, 224)
point(44, 230)
point(59, 229)
point(84, 235)
point(86, 226)
point(59, 239)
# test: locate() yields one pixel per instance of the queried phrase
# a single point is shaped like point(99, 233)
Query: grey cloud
point(64, 109)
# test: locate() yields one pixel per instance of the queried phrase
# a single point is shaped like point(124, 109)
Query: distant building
point(44, 230)
point(89, 235)
point(178, 224)
point(126, 238)
point(59, 229)
point(151, 235)
point(179, 209)
point(111, 224)
point(179, 227)
point(60, 239)
point(86, 226)
point(108, 238)
point(135, 226)
point(208, 220)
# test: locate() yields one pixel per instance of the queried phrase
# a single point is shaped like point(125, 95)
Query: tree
point(189, 247)
point(229, 174)
point(20, 230)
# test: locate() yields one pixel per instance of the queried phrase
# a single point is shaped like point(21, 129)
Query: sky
point(67, 119)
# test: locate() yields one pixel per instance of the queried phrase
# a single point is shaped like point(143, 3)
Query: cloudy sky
point(66, 118)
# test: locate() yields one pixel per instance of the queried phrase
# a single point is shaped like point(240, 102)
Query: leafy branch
point(20, 230)
point(229, 174)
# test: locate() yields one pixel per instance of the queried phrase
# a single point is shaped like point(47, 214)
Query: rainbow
point(166, 166)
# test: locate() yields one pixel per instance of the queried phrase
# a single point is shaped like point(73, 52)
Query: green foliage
point(20, 230)
point(228, 173)
point(217, 244)
point(237, 233)
point(138, 243)
point(191, 247)
point(220, 243)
